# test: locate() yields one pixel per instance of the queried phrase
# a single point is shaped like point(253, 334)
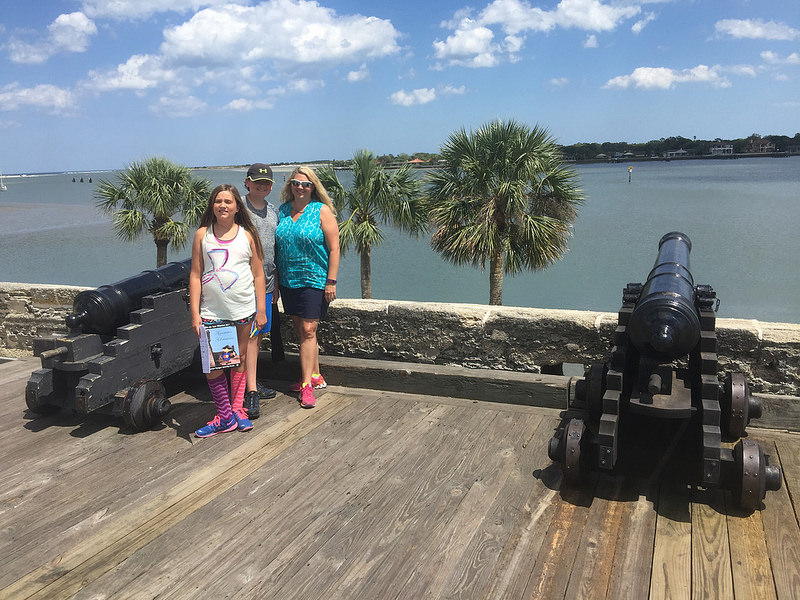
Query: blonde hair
point(318, 192)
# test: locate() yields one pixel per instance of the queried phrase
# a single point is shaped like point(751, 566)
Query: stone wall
point(509, 338)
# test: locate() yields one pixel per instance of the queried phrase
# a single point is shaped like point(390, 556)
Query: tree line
point(654, 148)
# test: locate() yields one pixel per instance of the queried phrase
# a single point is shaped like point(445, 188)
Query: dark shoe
point(251, 405)
point(265, 392)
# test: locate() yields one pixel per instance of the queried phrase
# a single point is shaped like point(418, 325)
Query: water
point(741, 215)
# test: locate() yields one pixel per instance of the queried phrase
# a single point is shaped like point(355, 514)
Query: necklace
point(297, 212)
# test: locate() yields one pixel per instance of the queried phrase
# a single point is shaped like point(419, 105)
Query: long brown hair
point(242, 216)
point(318, 193)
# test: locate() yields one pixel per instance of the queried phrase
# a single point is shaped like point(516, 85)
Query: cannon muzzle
point(104, 309)
point(665, 324)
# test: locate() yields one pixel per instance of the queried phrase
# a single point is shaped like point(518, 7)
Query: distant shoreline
point(318, 164)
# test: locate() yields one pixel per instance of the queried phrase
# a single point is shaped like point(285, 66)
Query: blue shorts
point(268, 327)
point(305, 302)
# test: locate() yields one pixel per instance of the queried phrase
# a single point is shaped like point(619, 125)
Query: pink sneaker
point(307, 399)
point(317, 382)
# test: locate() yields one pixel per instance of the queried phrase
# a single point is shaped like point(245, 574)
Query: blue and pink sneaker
point(216, 425)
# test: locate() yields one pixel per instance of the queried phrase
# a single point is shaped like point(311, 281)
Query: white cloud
point(449, 90)
point(245, 105)
point(756, 29)
point(471, 43)
point(141, 9)
point(593, 15)
point(182, 106)
point(68, 33)
point(358, 75)
point(662, 78)
point(52, 98)
point(278, 33)
point(418, 96)
point(290, 41)
point(140, 72)
point(591, 42)
point(559, 81)
point(642, 23)
point(470, 46)
point(775, 59)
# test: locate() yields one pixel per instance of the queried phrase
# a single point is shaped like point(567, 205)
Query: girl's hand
point(261, 319)
point(197, 323)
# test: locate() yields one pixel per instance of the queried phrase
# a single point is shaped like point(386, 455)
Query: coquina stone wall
point(510, 338)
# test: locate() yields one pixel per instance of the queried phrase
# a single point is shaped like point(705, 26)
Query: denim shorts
point(305, 302)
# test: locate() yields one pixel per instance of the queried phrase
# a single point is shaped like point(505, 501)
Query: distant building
point(718, 149)
point(676, 153)
point(759, 146)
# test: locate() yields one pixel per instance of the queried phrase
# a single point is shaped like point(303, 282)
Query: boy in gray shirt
point(258, 182)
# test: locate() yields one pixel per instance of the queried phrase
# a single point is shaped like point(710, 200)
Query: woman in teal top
point(307, 244)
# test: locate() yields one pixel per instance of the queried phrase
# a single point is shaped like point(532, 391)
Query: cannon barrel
point(664, 323)
point(104, 309)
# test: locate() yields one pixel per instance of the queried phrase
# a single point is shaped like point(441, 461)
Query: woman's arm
point(195, 279)
point(330, 229)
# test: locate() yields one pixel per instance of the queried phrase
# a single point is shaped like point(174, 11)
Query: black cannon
point(664, 365)
point(124, 338)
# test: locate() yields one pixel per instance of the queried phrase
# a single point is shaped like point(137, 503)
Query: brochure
point(219, 346)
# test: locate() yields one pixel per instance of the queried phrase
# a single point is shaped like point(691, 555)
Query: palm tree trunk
point(496, 279)
point(366, 274)
point(161, 252)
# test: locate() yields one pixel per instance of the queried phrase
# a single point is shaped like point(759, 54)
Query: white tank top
point(228, 292)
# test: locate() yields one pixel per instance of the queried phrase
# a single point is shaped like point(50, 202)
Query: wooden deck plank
point(751, 573)
point(711, 557)
point(454, 554)
point(517, 558)
point(81, 494)
point(460, 559)
point(284, 532)
point(595, 559)
point(783, 539)
point(109, 545)
point(264, 502)
point(671, 572)
point(372, 494)
point(633, 558)
point(423, 483)
point(553, 568)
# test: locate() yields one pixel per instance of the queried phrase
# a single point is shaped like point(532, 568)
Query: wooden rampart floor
point(372, 495)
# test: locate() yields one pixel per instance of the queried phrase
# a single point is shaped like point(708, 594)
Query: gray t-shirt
point(265, 221)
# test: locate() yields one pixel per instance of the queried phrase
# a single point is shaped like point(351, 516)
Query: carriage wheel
point(753, 474)
point(738, 407)
point(574, 460)
point(145, 404)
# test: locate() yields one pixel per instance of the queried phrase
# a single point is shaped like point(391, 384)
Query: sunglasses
point(300, 184)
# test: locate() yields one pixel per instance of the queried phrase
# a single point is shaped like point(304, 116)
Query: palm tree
point(147, 195)
point(506, 196)
point(376, 197)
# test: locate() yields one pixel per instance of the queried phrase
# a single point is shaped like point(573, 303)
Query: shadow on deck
point(373, 494)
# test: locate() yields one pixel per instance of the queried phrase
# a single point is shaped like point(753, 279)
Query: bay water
point(741, 215)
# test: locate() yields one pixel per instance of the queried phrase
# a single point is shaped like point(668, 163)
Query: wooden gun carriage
point(124, 338)
point(664, 366)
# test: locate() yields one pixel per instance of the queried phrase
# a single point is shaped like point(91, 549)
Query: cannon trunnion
point(664, 365)
point(124, 338)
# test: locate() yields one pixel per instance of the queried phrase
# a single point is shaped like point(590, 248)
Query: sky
point(98, 84)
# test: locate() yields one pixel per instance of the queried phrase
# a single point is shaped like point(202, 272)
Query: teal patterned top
point(302, 254)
